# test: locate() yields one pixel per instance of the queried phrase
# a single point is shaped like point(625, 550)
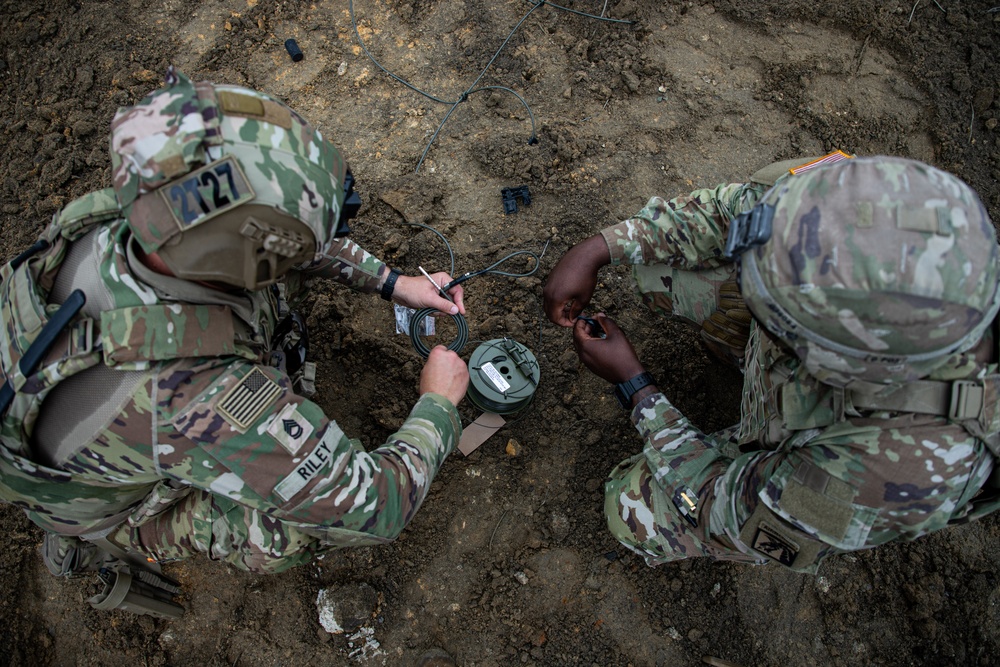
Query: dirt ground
point(509, 561)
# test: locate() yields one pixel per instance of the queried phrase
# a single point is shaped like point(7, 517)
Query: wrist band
point(390, 284)
point(624, 391)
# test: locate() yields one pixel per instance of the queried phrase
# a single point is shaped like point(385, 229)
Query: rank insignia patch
point(245, 402)
point(290, 428)
point(832, 158)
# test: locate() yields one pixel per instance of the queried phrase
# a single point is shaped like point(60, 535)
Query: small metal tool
point(439, 288)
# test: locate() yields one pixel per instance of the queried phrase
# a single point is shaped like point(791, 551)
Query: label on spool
point(495, 377)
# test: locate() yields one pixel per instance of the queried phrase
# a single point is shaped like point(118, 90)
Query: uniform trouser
point(203, 523)
point(633, 500)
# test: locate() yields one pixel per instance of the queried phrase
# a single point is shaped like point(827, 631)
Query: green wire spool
point(503, 376)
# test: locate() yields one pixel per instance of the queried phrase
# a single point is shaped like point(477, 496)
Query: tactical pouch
point(137, 591)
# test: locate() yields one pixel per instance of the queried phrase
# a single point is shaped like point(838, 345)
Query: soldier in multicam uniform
point(870, 400)
point(162, 421)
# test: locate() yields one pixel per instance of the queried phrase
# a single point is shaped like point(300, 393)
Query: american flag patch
point(247, 401)
point(824, 161)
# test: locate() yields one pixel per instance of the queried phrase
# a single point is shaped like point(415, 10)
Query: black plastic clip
point(749, 229)
point(510, 196)
point(350, 207)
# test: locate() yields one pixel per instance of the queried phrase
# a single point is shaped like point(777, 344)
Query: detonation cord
point(463, 327)
point(533, 139)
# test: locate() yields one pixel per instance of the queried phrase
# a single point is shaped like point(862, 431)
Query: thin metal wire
point(472, 89)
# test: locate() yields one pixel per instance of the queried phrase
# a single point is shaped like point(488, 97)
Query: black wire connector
point(510, 196)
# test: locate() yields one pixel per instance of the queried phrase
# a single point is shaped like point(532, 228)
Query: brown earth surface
point(509, 561)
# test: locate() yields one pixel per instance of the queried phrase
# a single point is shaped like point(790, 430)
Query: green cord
point(418, 344)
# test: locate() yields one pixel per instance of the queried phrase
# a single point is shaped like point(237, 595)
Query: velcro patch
point(248, 400)
point(290, 428)
point(769, 542)
point(206, 192)
point(318, 459)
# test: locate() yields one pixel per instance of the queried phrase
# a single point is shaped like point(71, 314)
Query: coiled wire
point(418, 344)
point(463, 327)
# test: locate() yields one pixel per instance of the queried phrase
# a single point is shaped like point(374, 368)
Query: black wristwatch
point(624, 391)
point(390, 284)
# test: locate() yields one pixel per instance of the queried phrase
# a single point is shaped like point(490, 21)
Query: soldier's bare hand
point(612, 358)
point(445, 373)
point(571, 283)
point(417, 292)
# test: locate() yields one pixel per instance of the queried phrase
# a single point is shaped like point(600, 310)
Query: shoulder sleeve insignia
point(245, 402)
point(772, 544)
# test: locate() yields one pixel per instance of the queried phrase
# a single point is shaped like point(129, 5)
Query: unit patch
point(769, 542)
point(318, 459)
point(290, 428)
point(246, 402)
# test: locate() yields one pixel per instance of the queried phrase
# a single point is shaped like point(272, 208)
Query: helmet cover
point(225, 183)
point(877, 270)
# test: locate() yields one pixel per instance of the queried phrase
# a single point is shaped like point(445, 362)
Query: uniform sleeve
point(840, 489)
point(349, 264)
point(686, 232)
point(247, 437)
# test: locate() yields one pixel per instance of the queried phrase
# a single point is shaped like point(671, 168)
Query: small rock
point(568, 93)
point(559, 525)
point(631, 81)
point(521, 578)
point(345, 608)
point(513, 448)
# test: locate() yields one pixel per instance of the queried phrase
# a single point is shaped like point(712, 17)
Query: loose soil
point(509, 561)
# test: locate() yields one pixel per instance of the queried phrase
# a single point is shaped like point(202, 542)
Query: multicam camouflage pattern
point(797, 480)
point(171, 464)
point(682, 232)
point(349, 264)
point(853, 485)
point(234, 509)
point(877, 270)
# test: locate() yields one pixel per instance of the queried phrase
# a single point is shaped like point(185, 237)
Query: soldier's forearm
point(349, 264)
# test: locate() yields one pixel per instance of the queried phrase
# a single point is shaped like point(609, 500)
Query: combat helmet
point(874, 271)
point(226, 184)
